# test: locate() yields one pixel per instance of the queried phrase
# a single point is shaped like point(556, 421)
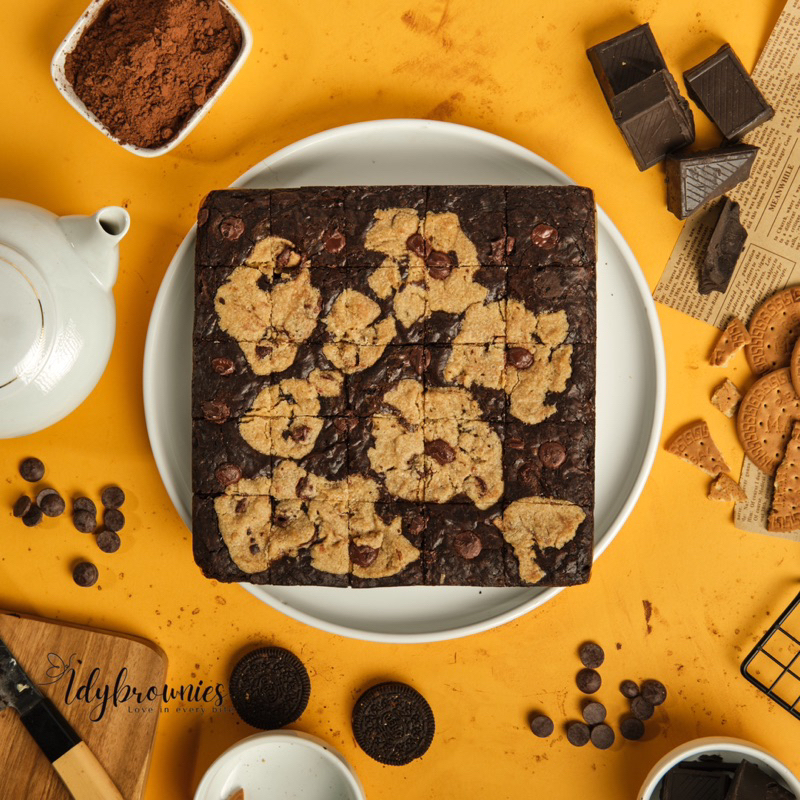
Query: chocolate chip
point(542, 726)
point(519, 358)
point(300, 433)
point(222, 366)
point(22, 506)
point(602, 736)
point(254, 549)
point(335, 242)
point(417, 525)
point(32, 470)
point(439, 273)
point(590, 654)
point(553, 455)
point(228, 474)
point(284, 257)
point(654, 692)
point(216, 411)
point(302, 487)
point(544, 236)
point(84, 504)
point(438, 259)
point(467, 544)
point(263, 350)
point(641, 708)
point(345, 424)
point(632, 728)
point(32, 517)
point(85, 574)
point(440, 451)
point(361, 555)
point(84, 521)
point(418, 245)
point(420, 359)
point(629, 689)
point(114, 519)
point(588, 681)
point(112, 497)
point(241, 506)
point(108, 541)
point(515, 443)
point(231, 228)
point(594, 713)
point(202, 217)
point(498, 249)
point(51, 503)
point(578, 734)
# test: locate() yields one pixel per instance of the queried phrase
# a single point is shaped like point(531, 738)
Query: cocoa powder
point(144, 67)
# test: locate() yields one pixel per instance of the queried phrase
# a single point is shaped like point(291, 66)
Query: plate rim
point(653, 324)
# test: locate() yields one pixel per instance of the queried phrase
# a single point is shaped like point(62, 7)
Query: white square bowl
point(64, 86)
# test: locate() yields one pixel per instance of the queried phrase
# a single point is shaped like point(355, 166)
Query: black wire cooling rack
point(773, 665)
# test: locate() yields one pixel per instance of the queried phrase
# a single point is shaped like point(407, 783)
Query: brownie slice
point(229, 224)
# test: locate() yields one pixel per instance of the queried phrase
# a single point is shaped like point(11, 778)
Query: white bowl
point(281, 765)
point(64, 86)
point(730, 749)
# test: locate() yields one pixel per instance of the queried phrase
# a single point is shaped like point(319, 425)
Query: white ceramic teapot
point(57, 316)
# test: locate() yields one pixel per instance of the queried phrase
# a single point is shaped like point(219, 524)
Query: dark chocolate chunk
point(270, 688)
point(681, 783)
point(544, 236)
point(84, 521)
point(216, 411)
point(84, 504)
point(519, 358)
point(222, 366)
point(440, 451)
point(108, 541)
point(590, 653)
point(21, 506)
point(653, 118)
point(724, 248)
point(553, 455)
point(602, 736)
point(393, 723)
point(418, 245)
point(361, 555)
point(629, 689)
point(227, 474)
point(32, 470)
point(467, 544)
point(588, 681)
point(654, 692)
point(85, 574)
point(51, 502)
point(641, 708)
point(112, 497)
point(542, 726)
point(578, 734)
point(750, 782)
point(594, 713)
point(32, 517)
point(114, 519)
point(631, 728)
point(231, 228)
point(694, 179)
point(722, 88)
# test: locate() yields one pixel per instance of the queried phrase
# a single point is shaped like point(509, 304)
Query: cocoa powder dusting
point(143, 67)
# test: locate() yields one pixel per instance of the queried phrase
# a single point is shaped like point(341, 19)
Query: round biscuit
point(774, 328)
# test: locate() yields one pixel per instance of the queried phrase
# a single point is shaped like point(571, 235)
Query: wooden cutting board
point(121, 737)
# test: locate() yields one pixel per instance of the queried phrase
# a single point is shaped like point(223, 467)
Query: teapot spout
point(94, 240)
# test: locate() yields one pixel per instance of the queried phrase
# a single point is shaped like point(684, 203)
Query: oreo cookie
point(393, 723)
point(270, 688)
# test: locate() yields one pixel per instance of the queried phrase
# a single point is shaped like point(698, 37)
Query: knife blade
point(80, 771)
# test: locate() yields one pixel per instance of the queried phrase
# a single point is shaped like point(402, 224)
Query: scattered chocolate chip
point(85, 574)
point(440, 451)
point(439, 273)
point(418, 245)
point(84, 504)
point(629, 689)
point(216, 411)
point(202, 217)
point(578, 734)
point(241, 505)
point(631, 728)
point(542, 726)
point(32, 517)
point(254, 549)
point(84, 521)
point(602, 736)
point(114, 519)
point(222, 366)
point(467, 544)
point(21, 506)
point(654, 692)
point(112, 497)
point(519, 358)
point(228, 474)
point(515, 443)
point(335, 242)
point(544, 236)
point(417, 525)
point(641, 708)
point(361, 555)
point(590, 654)
point(300, 433)
point(437, 258)
point(284, 257)
point(420, 359)
point(263, 350)
point(32, 470)
point(345, 424)
point(51, 503)
point(231, 228)
point(594, 713)
point(588, 681)
point(108, 541)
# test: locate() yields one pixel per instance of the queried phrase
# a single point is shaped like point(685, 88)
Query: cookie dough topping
point(245, 522)
point(392, 551)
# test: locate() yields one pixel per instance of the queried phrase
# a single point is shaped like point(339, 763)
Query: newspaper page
point(770, 210)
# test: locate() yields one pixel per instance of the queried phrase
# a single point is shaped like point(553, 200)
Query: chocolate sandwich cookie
point(393, 723)
point(270, 688)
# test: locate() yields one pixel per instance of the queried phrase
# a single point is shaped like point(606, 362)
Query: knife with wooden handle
point(80, 771)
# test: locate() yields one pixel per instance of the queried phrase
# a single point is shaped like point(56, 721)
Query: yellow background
point(514, 68)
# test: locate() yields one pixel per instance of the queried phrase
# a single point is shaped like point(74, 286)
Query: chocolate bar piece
point(695, 178)
point(750, 783)
point(722, 88)
point(653, 118)
point(691, 784)
point(724, 249)
point(625, 60)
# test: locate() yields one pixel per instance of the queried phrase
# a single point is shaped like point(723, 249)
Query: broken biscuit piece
point(730, 342)
point(693, 443)
point(726, 397)
point(726, 490)
point(784, 515)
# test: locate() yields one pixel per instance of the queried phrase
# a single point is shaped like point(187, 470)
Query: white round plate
point(281, 765)
point(631, 379)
